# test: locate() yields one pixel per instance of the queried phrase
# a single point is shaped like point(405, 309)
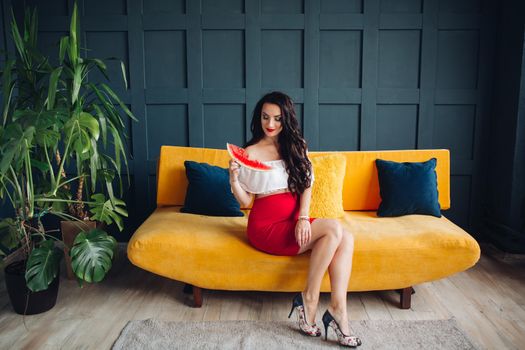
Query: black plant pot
point(38, 302)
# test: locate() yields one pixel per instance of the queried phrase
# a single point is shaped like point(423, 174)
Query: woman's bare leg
point(325, 240)
point(340, 269)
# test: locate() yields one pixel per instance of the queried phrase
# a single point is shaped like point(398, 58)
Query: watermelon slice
point(239, 155)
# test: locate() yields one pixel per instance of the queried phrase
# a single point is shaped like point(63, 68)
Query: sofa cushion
point(327, 189)
point(209, 191)
point(213, 252)
point(408, 188)
point(360, 189)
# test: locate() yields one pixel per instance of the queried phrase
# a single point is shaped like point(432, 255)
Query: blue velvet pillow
point(408, 188)
point(209, 191)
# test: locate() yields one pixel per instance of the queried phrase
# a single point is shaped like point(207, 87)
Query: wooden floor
point(488, 302)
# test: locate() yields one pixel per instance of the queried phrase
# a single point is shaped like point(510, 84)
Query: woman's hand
point(234, 171)
point(303, 232)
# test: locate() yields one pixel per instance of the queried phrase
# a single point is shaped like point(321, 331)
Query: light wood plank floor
point(488, 302)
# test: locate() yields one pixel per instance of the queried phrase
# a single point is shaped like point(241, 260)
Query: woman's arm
point(306, 197)
point(244, 198)
point(303, 230)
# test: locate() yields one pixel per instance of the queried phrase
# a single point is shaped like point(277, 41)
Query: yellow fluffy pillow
point(327, 191)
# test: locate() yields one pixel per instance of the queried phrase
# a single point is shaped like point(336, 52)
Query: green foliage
point(108, 211)
point(54, 119)
point(42, 266)
point(8, 236)
point(92, 112)
point(91, 255)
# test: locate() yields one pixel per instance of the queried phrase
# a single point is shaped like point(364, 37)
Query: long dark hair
point(292, 146)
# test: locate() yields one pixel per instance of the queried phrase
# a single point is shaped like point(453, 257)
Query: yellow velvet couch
point(213, 252)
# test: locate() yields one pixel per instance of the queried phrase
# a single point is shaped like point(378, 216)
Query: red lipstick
point(270, 130)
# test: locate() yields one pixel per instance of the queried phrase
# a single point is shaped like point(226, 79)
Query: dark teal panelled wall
point(504, 196)
point(365, 75)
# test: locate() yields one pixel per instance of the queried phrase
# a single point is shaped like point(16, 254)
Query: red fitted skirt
point(271, 223)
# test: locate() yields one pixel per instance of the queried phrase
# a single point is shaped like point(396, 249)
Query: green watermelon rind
point(238, 154)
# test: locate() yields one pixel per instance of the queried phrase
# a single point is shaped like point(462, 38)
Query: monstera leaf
point(82, 128)
point(42, 266)
point(92, 254)
point(108, 211)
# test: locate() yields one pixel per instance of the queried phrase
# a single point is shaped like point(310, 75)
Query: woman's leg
point(325, 240)
point(340, 269)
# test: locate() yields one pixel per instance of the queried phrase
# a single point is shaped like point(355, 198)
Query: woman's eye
point(265, 117)
point(277, 119)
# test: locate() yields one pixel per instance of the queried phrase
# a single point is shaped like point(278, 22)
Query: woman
point(279, 223)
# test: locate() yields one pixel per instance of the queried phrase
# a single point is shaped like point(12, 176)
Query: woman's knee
point(335, 230)
point(347, 240)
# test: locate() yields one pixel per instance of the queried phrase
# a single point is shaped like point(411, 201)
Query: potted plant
point(43, 127)
point(91, 121)
point(31, 274)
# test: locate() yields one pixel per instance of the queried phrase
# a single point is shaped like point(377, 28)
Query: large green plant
point(27, 129)
point(53, 116)
point(93, 120)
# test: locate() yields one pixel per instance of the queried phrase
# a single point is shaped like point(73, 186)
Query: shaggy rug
point(156, 334)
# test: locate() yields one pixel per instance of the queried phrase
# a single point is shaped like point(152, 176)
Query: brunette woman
point(279, 223)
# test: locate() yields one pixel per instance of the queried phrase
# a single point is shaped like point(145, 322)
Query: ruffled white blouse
point(263, 182)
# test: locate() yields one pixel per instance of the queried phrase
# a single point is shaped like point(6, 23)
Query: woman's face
point(271, 119)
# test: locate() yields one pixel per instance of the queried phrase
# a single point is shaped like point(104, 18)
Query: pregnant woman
point(279, 223)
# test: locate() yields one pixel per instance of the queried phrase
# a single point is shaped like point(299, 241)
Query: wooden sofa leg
point(405, 298)
point(197, 296)
point(188, 289)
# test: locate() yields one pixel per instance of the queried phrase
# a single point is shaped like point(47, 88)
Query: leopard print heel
point(343, 339)
point(305, 328)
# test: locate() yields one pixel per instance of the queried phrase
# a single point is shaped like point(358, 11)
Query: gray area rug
point(155, 334)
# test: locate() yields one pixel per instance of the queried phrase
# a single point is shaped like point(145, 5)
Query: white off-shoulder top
point(263, 182)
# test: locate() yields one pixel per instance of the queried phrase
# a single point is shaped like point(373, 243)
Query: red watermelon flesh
point(239, 155)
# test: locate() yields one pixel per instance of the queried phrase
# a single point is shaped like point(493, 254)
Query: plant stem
point(58, 158)
point(80, 212)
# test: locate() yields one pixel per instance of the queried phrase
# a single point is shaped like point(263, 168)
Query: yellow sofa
point(213, 252)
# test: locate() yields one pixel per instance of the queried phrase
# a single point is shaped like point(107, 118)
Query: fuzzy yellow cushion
point(327, 191)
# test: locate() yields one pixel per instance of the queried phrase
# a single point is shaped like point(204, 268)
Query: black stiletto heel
point(325, 327)
point(291, 311)
point(297, 301)
point(307, 329)
point(343, 339)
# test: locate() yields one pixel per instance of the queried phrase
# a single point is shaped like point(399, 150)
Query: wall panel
point(399, 59)
point(397, 126)
point(282, 58)
point(164, 6)
point(340, 59)
point(107, 45)
point(223, 59)
point(166, 70)
point(167, 125)
point(223, 123)
point(457, 61)
point(364, 74)
point(339, 127)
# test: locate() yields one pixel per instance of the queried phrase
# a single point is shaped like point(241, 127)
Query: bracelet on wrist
point(304, 217)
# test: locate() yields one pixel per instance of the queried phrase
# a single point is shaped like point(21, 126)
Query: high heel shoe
point(343, 339)
point(307, 329)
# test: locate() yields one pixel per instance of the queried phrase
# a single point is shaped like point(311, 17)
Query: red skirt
point(271, 223)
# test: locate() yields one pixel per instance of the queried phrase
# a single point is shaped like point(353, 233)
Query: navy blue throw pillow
point(408, 188)
point(209, 191)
